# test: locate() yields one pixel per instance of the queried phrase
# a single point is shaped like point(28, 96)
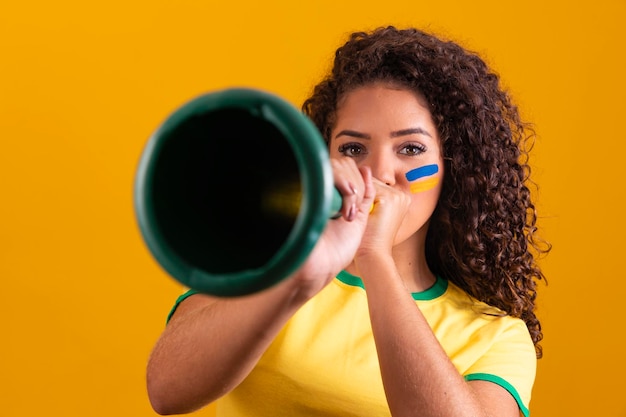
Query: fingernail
point(352, 212)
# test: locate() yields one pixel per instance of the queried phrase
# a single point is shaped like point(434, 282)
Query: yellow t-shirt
point(324, 361)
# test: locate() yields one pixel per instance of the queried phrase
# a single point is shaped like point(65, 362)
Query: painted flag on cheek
point(423, 178)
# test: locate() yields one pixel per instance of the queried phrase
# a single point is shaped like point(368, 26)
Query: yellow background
point(83, 84)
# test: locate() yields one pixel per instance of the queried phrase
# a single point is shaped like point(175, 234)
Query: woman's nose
point(382, 168)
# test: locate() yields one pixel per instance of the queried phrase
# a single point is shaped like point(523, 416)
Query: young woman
point(421, 306)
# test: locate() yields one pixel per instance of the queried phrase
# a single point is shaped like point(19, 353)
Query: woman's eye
point(352, 149)
point(413, 149)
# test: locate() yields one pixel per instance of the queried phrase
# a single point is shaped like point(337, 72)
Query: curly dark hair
point(482, 235)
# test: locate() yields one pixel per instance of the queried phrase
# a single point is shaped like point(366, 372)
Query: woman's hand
point(342, 236)
point(390, 207)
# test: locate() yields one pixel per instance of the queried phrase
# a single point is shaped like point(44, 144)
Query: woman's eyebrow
point(394, 134)
point(353, 133)
point(410, 131)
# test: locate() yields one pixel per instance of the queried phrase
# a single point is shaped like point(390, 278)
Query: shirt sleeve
point(179, 300)
point(510, 362)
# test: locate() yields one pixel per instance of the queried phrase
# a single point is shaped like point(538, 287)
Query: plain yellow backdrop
point(83, 85)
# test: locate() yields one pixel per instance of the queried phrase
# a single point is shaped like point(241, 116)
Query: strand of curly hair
point(483, 234)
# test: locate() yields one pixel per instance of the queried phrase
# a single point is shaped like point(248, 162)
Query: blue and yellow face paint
point(423, 178)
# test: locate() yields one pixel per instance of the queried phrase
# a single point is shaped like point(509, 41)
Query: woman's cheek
point(423, 178)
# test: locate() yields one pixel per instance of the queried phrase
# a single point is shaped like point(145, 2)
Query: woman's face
point(391, 131)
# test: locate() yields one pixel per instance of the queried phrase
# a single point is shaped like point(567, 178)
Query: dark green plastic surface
point(201, 191)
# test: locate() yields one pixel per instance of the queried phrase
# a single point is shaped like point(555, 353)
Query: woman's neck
point(410, 260)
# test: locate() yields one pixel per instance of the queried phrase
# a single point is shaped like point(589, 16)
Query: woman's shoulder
point(458, 304)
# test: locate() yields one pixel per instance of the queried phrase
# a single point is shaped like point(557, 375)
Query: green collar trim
point(437, 290)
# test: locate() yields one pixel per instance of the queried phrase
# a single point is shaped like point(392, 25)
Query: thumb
point(367, 204)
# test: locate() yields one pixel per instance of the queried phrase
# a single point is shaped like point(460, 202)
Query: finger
point(369, 193)
point(349, 182)
point(387, 195)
